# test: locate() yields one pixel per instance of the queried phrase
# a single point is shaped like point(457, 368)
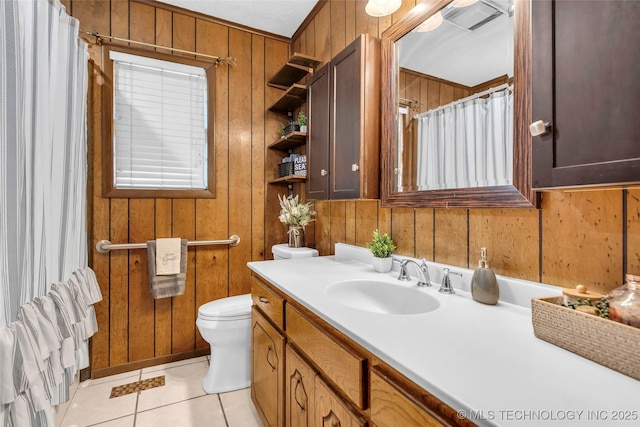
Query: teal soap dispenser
point(484, 285)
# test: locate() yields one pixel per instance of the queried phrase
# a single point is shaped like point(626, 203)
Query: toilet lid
point(231, 308)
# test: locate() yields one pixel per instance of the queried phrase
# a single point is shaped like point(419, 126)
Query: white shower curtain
point(43, 159)
point(467, 143)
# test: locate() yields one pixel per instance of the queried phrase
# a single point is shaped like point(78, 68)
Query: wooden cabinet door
point(267, 370)
point(318, 107)
point(300, 399)
point(331, 411)
point(345, 124)
point(586, 85)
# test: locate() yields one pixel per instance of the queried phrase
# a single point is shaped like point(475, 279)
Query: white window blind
point(159, 124)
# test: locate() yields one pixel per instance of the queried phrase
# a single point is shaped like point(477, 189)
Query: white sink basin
point(381, 297)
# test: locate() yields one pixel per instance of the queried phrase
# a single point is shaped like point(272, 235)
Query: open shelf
point(291, 140)
point(290, 179)
point(298, 66)
point(293, 98)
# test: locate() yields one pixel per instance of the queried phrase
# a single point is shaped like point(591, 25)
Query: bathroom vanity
point(332, 345)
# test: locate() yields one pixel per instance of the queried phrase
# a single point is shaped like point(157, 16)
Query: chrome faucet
point(446, 287)
point(423, 272)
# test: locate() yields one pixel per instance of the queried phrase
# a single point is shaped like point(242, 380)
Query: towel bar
point(104, 246)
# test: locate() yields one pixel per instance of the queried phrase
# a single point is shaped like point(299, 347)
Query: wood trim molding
point(126, 367)
point(518, 195)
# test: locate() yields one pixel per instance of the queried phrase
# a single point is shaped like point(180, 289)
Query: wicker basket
point(603, 341)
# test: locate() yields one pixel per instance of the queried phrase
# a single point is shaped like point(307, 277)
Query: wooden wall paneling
point(512, 239)
point(162, 323)
point(258, 144)
point(119, 18)
point(212, 216)
point(310, 39)
point(184, 308)
point(446, 94)
point(403, 230)
point(300, 43)
point(184, 32)
point(119, 283)
point(164, 29)
point(338, 223)
point(384, 219)
point(99, 210)
point(633, 232)
point(424, 234)
point(338, 26)
point(240, 160)
point(365, 24)
point(211, 220)
point(433, 95)
point(142, 22)
point(67, 6)
point(582, 239)
point(350, 21)
point(366, 221)
point(323, 227)
point(141, 303)
point(323, 33)
point(93, 15)
point(350, 222)
point(451, 237)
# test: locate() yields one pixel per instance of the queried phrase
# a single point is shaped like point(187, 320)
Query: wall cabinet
point(587, 92)
point(343, 104)
point(326, 379)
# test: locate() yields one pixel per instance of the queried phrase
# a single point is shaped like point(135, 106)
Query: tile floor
point(181, 402)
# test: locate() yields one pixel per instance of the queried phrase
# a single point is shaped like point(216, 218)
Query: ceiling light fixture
point(378, 8)
point(464, 3)
point(430, 24)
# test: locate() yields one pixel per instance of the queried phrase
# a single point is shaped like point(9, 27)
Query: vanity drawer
point(337, 363)
point(268, 302)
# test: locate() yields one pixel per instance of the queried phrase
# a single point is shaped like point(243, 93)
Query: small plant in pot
point(381, 247)
point(302, 121)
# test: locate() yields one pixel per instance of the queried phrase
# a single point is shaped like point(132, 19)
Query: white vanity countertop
point(482, 360)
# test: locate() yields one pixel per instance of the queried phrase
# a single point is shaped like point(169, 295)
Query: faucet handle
point(404, 276)
point(446, 287)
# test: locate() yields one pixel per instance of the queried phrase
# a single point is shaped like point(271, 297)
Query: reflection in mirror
point(455, 104)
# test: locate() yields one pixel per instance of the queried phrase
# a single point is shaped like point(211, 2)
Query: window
point(158, 112)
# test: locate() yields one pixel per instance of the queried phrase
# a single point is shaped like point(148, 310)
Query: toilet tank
point(283, 251)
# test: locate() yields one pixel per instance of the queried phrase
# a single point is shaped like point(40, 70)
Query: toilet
point(226, 325)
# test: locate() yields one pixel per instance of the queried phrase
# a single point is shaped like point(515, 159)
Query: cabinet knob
point(539, 128)
point(355, 168)
point(323, 172)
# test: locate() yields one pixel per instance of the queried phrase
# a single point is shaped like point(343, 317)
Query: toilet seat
point(227, 309)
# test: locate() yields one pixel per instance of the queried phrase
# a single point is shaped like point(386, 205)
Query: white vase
point(382, 265)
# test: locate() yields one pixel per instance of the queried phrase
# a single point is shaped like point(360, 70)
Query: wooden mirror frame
point(518, 195)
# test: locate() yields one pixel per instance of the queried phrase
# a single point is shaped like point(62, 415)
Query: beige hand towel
point(167, 286)
point(167, 256)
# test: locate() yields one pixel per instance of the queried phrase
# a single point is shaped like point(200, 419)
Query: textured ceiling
point(281, 17)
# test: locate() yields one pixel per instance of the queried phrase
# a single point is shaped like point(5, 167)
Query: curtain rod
point(218, 60)
point(504, 86)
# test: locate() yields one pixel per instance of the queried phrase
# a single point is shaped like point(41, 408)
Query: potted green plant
point(302, 121)
point(381, 247)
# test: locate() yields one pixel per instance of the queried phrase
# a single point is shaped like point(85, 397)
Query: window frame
point(108, 187)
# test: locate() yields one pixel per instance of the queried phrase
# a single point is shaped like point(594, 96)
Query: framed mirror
point(456, 106)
